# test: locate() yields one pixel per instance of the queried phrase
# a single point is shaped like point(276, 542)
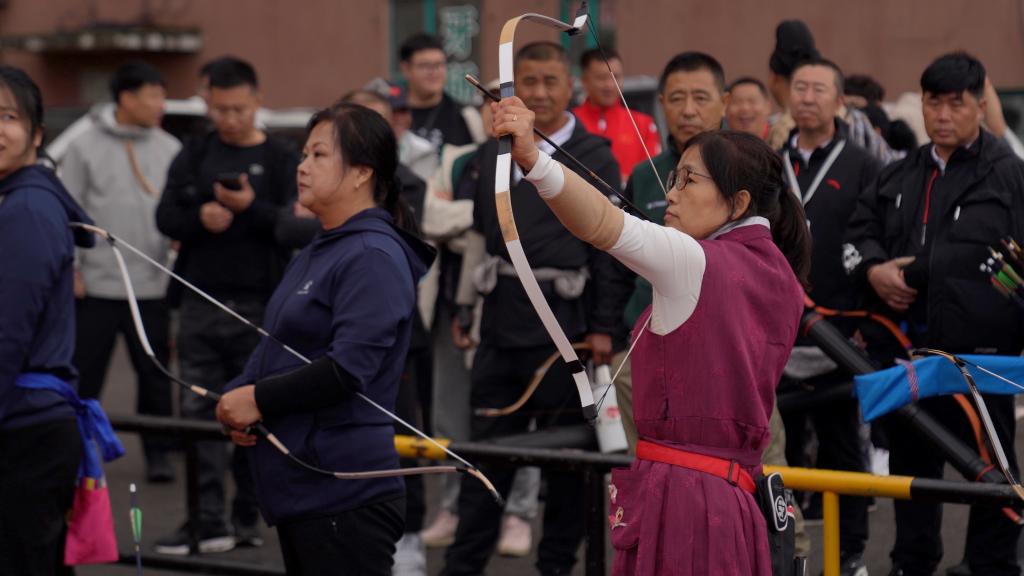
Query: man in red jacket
point(602, 112)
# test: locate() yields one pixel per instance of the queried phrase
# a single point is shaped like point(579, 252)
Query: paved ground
point(163, 509)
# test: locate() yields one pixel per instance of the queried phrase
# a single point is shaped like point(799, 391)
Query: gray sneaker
point(410, 556)
point(248, 535)
point(852, 565)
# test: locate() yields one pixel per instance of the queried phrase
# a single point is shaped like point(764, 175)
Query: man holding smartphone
point(224, 192)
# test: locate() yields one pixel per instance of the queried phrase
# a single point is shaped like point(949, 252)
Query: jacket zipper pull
point(924, 232)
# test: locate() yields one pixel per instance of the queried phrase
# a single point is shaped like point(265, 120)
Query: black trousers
point(991, 545)
point(500, 375)
point(38, 469)
point(837, 425)
point(358, 542)
point(98, 322)
point(213, 348)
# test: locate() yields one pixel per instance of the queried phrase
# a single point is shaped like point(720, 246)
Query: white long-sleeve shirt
point(671, 260)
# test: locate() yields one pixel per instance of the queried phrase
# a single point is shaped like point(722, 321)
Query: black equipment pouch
point(777, 506)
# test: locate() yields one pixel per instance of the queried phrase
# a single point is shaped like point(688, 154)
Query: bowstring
point(661, 184)
point(115, 241)
point(629, 112)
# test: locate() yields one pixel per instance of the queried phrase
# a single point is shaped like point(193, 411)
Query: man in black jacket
point(918, 236)
point(827, 171)
point(222, 201)
point(513, 342)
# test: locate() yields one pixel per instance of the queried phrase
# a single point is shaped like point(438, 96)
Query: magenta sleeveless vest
point(709, 386)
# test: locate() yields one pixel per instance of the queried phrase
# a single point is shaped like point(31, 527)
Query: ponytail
point(396, 206)
point(791, 234)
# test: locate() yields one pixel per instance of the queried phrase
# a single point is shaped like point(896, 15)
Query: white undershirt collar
point(560, 136)
point(805, 153)
point(942, 163)
point(749, 221)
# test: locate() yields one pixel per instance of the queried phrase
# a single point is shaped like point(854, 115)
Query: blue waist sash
point(92, 422)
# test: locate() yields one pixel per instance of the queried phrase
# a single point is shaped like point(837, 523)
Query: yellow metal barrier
point(831, 483)
point(845, 483)
point(830, 536)
point(415, 447)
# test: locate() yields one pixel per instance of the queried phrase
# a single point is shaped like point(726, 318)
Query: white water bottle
point(611, 436)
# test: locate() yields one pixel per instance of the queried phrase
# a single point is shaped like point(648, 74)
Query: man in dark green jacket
point(692, 95)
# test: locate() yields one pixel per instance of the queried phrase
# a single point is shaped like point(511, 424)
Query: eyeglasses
point(429, 66)
point(677, 178)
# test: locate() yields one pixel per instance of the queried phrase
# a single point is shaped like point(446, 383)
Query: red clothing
point(708, 387)
point(614, 124)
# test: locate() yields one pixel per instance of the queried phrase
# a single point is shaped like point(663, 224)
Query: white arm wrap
point(546, 176)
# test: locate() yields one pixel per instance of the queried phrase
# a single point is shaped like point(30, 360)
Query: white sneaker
point(410, 557)
point(212, 540)
point(516, 537)
point(879, 461)
point(441, 532)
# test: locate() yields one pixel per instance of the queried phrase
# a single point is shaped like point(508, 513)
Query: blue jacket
point(351, 295)
point(37, 302)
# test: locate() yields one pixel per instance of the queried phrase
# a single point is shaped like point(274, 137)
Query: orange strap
point(972, 418)
point(878, 318)
point(975, 422)
point(728, 470)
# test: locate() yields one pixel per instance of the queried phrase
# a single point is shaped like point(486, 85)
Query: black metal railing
point(593, 464)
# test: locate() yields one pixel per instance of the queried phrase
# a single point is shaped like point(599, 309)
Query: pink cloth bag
point(91, 538)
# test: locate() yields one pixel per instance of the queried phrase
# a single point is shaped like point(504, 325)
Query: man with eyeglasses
point(436, 116)
point(221, 202)
point(827, 171)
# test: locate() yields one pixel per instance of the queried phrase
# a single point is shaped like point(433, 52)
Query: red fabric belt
point(728, 470)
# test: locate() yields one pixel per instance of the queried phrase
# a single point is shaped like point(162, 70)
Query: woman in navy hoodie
point(347, 302)
point(40, 446)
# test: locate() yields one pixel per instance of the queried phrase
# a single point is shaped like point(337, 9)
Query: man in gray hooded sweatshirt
point(116, 170)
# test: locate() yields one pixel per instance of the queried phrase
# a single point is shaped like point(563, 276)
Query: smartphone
point(230, 180)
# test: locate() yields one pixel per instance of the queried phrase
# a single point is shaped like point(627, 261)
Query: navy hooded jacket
point(37, 301)
point(349, 295)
